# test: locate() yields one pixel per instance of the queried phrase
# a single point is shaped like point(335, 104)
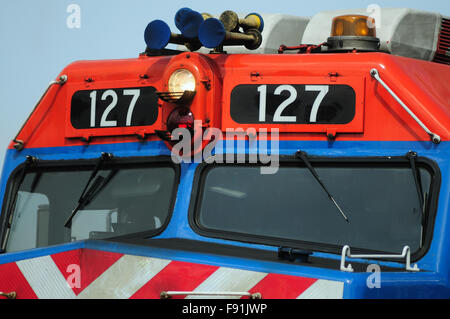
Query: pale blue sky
point(36, 44)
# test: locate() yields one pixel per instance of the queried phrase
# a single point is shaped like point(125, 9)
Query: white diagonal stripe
point(126, 276)
point(324, 289)
point(228, 280)
point(45, 278)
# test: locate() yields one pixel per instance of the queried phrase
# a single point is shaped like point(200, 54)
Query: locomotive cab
point(266, 156)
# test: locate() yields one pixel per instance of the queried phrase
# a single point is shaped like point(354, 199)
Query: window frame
point(89, 164)
point(430, 214)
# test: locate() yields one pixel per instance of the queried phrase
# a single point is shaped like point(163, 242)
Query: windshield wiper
point(29, 161)
point(304, 157)
point(106, 180)
point(412, 157)
point(87, 194)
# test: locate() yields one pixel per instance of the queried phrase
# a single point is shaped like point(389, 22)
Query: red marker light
point(181, 117)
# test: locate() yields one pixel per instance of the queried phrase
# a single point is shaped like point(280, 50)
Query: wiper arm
point(412, 157)
point(86, 195)
point(303, 156)
point(84, 200)
point(105, 182)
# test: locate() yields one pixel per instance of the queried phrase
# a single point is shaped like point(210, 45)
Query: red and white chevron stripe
point(106, 275)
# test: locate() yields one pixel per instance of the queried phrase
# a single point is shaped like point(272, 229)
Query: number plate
point(114, 108)
point(294, 103)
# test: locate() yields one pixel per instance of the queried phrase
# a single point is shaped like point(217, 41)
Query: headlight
point(181, 80)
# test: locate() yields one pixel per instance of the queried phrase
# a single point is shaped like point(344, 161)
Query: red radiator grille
point(443, 49)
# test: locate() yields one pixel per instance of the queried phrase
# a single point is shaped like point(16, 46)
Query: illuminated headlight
point(181, 88)
point(181, 80)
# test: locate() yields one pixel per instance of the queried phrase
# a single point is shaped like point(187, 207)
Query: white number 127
point(111, 93)
point(278, 117)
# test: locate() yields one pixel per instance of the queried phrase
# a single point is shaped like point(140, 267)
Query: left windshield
point(134, 199)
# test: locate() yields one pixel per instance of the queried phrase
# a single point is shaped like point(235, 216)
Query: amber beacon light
point(353, 25)
point(353, 32)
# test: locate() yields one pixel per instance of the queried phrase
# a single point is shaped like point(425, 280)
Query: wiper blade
point(303, 156)
point(29, 161)
point(84, 200)
point(86, 195)
point(412, 157)
point(105, 182)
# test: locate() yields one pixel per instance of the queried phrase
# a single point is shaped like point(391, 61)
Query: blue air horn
point(213, 34)
point(188, 22)
point(157, 35)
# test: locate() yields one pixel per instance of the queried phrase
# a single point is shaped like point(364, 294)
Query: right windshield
point(380, 200)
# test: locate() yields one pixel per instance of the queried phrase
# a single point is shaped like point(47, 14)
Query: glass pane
point(127, 200)
point(31, 211)
point(381, 204)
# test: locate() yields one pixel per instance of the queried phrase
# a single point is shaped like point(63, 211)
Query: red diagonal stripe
point(176, 276)
point(11, 279)
point(276, 286)
point(64, 260)
point(92, 264)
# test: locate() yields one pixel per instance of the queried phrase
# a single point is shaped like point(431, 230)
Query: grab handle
point(169, 294)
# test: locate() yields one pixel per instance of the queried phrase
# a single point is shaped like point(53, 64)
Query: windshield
point(135, 199)
point(380, 201)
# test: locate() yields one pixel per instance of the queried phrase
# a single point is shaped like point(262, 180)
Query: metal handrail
point(168, 294)
point(406, 254)
point(434, 137)
point(19, 144)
